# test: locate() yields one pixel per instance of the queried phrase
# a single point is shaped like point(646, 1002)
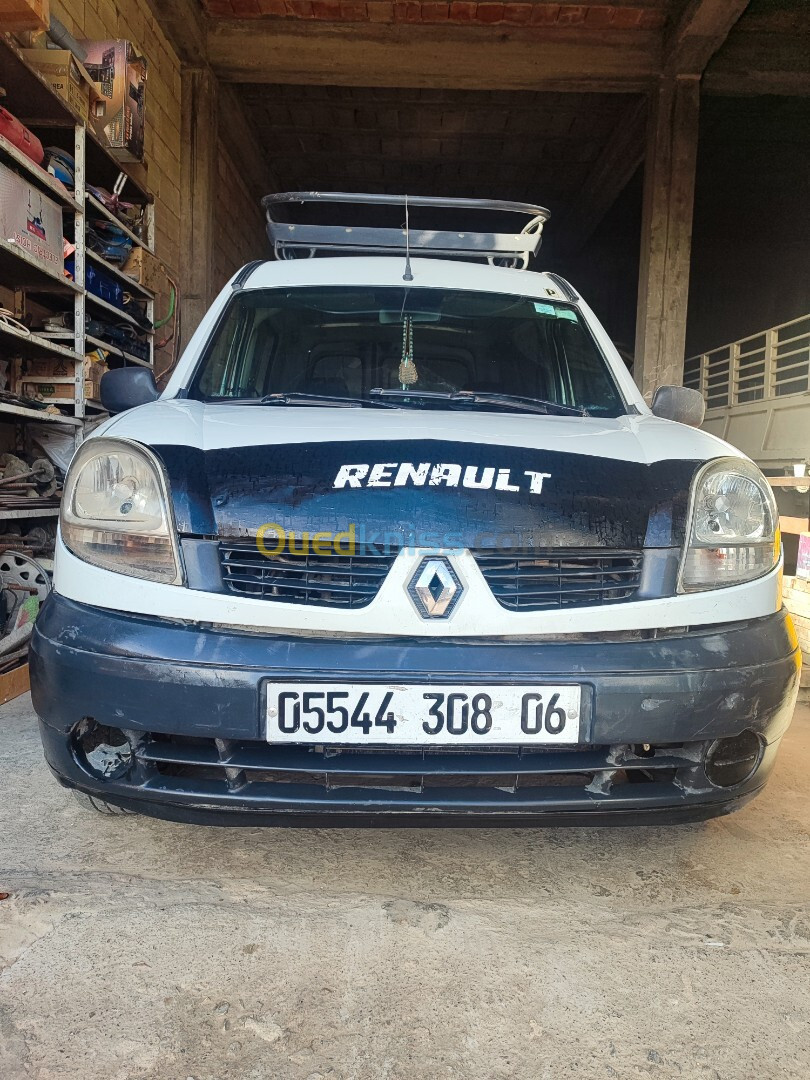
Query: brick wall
point(132, 19)
point(239, 229)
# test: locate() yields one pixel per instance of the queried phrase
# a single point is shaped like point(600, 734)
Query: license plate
point(406, 715)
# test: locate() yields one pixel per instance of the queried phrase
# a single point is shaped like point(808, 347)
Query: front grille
point(531, 580)
point(499, 777)
point(538, 580)
point(345, 581)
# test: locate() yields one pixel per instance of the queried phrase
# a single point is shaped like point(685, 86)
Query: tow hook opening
point(734, 760)
point(104, 751)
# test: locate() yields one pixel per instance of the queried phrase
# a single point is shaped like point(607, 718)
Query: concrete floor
point(136, 948)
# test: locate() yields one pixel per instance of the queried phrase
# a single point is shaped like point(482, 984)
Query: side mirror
point(677, 403)
point(124, 388)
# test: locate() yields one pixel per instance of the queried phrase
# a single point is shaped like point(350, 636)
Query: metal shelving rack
point(33, 101)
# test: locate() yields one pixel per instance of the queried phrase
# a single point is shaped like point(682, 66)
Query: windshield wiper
point(473, 397)
point(332, 400)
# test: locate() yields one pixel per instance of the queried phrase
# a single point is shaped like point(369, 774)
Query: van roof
point(389, 270)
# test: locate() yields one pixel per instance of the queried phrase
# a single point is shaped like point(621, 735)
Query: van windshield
point(352, 342)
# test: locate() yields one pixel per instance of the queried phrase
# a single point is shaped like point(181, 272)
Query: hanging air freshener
point(408, 374)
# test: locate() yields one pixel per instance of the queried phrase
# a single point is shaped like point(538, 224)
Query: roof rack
point(380, 231)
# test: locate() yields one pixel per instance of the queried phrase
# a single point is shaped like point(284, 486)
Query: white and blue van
point(401, 542)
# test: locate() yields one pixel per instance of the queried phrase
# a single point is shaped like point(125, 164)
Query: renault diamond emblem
point(434, 588)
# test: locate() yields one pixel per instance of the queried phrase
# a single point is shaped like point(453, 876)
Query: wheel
point(92, 802)
point(25, 573)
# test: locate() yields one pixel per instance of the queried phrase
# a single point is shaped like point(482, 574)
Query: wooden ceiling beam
point(755, 62)
point(185, 25)
point(609, 176)
point(702, 28)
point(442, 57)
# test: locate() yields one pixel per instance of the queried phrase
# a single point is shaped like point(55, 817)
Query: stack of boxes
point(70, 80)
point(107, 90)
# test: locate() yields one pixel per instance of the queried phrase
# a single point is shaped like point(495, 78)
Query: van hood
point(479, 480)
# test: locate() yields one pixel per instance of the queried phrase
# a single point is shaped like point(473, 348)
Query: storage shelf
point(28, 94)
point(19, 269)
point(117, 272)
point(99, 344)
point(30, 97)
point(103, 168)
point(14, 514)
point(119, 313)
point(41, 177)
point(34, 345)
point(20, 412)
point(48, 380)
point(67, 403)
point(93, 202)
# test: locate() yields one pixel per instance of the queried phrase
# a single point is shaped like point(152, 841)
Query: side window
point(588, 376)
point(239, 363)
point(260, 368)
point(538, 361)
point(218, 373)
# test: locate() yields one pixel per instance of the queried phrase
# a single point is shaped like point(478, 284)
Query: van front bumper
point(189, 699)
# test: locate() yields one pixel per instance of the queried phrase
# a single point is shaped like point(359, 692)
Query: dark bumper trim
point(242, 817)
point(148, 675)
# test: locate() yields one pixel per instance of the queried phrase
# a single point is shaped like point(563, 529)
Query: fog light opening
point(734, 760)
point(104, 751)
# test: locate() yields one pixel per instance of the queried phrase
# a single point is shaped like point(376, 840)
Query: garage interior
point(670, 140)
point(568, 106)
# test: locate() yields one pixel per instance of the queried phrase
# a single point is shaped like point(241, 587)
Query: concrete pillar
point(198, 176)
point(666, 232)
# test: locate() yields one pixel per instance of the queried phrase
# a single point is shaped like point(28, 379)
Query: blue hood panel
point(582, 501)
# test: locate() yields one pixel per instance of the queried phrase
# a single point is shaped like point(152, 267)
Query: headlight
point(115, 511)
point(733, 530)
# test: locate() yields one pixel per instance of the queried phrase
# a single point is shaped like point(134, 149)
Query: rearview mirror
point(124, 388)
point(677, 403)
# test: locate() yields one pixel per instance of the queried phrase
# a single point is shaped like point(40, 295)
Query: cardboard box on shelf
point(60, 393)
point(54, 379)
point(69, 79)
point(119, 74)
point(144, 268)
point(93, 371)
point(54, 367)
point(24, 14)
point(31, 220)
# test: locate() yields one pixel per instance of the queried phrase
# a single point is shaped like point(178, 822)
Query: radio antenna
point(407, 276)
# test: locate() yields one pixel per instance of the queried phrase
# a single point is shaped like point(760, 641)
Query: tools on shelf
point(77, 295)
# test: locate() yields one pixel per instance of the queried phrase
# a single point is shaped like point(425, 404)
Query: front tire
point(100, 806)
